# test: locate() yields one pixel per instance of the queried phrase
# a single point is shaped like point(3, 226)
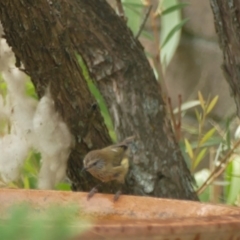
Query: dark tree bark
point(227, 23)
point(44, 36)
point(42, 43)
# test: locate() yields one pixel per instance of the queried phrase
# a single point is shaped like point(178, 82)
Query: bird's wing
point(119, 150)
point(119, 172)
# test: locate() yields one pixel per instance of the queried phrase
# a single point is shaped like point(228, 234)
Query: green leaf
point(228, 178)
point(234, 187)
point(30, 89)
point(168, 39)
point(202, 102)
point(189, 148)
point(174, 8)
point(212, 104)
point(199, 157)
point(133, 12)
point(187, 105)
point(200, 178)
point(132, 4)
point(207, 136)
point(198, 115)
point(173, 31)
point(213, 142)
point(63, 186)
point(99, 98)
point(55, 222)
point(147, 35)
point(228, 134)
point(3, 87)
point(26, 183)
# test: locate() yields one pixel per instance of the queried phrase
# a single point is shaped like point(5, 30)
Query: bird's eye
point(97, 164)
point(94, 164)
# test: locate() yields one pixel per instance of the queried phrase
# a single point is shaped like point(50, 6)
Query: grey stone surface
point(200, 19)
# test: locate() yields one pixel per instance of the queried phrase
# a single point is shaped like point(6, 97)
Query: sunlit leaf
point(173, 31)
point(212, 104)
point(202, 102)
point(147, 35)
point(3, 88)
point(178, 6)
point(189, 148)
point(133, 12)
point(99, 98)
point(207, 136)
point(26, 183)
point(55, 222)
point(213, 142)
point(200, 177)
point(63, 186)
point(132, 4)
point(169, 35)
point(234, 187)
point(12, 185)
point(187, 105)
point(228, 178)
point(199, 157)
point(30, 89)
point(198, 115)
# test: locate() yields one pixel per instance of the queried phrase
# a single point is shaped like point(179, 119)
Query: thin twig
point(217, 127)
point(179, 123)
point(157, 60)
point(120, 10)
point(158, 67)
point(218, 170)
point(144, 22)
point(174, 122)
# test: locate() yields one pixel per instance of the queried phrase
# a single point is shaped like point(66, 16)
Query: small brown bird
point(108, 164)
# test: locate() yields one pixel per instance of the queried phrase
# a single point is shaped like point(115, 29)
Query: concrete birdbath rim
point(127, 206)
point(134, 216)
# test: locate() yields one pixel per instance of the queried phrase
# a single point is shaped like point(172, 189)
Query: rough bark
point(41, 42)
point(44, 35)
point(227, 23)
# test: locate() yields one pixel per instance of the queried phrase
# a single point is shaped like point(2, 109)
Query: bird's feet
point(92, 192)
point(117, 195)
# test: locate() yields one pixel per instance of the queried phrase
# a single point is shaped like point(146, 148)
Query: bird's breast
point(104, 176)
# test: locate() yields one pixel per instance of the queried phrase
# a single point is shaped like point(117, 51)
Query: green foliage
point(30, 89)
point(102, 104)
point(195, 150)
point(3, 88)
point(232, 177)
point(200, 178)
point(173, 8)
point(30, 171)
point(198, 152)
point(23, 222)
point(214, 144)
point(133, 10)
point(169, 12)
point(171, 24)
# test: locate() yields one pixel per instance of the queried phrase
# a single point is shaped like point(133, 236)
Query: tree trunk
point(44, 36)
point(42, 43)
point(227, 23)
